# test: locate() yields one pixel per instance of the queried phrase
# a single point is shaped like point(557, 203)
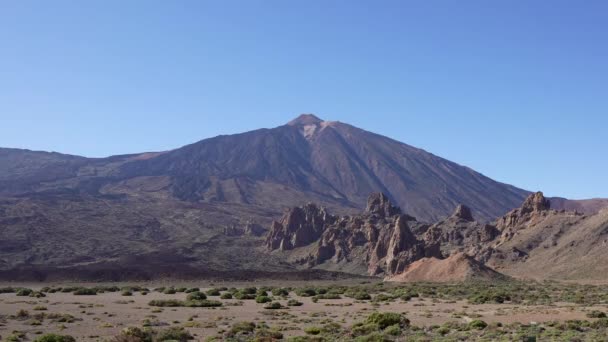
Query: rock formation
point(383, 241)
point(534, 207)
point(382, 236)
point(461, 233)
point(298, 227)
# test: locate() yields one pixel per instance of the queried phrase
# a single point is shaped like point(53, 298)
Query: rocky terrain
point(532, 241)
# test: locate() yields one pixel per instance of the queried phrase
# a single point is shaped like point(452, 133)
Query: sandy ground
point(102, 316)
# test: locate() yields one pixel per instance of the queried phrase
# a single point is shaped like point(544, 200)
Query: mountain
point(331, 163)
point(206, 205)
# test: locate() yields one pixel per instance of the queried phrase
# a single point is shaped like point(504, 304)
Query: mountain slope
point(329, 162)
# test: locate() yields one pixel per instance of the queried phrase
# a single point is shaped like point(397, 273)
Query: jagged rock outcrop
point(533, 208)
point(461, 233)
point(381, 237)
point(383, 241)
point(464, 213)
point(378, 204)
point(299, 227)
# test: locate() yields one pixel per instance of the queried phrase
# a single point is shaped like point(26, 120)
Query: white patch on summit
point(308, 131)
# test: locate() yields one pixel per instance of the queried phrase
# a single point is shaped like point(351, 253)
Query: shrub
point(280, 292)
point(393, 330)
point(596, 314)
point(362, 296)
point(8, 290)
point(262, 299)
point(188, 303)
point(373, 337)
point(85, 292)
point(385, 319)
point(193, 289)
point(249, 290)
point(213, 292)
point(170, 291)
point(196, 296)
point(166, 303)
point(293, 302)
point(24, 292)
point(242, 327)
point(244, 296)
point(478, 324)
point(226, 295)
point(361, 329)
point(273, 306)
point(174, 334)
point(312, 330)
point(382, 298)
point(126, 293)
point(600, 323)
point(55, 338)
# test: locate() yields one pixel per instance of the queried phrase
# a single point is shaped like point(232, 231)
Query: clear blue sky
point(517, 90)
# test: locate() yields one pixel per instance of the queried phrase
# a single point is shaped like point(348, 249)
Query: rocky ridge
point(388, 242)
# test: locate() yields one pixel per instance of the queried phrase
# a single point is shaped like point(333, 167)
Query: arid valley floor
point(306, 311)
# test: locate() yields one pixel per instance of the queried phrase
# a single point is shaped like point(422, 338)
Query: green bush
point(226, 295)
point(596, 314)
point(393, 330)
point(166, 302)
point(249, 290)
point(293, 302)
point(478, 324)
point(55, 338)
point(244, 296)
point(85, 292)
point(280, 292)
point(8, 290)
point(170, 291)
point(196, 296)
point(24, 292)
point(361, 329)
point(312, 330)
point(174, 334)
point(362, 296)
point(385, 319)
point(213, 292)
point(273, 306)
point(262, 299)
point(242, 327)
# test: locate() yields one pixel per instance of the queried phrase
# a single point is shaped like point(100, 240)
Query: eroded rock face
point(461, 233)
point(464, 213)
point(378, 204)
point(382, 236)
point(534, 209)
point(383, 241)
point(299, 227)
